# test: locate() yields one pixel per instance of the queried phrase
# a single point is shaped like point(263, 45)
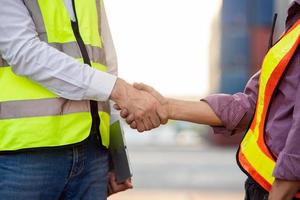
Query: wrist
point(118, 90)
point(170, 103)
point(283, 189)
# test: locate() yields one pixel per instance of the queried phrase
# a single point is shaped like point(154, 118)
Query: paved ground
point(194, 168)
point(176, 165)
point(184, 173)
point(175, 195)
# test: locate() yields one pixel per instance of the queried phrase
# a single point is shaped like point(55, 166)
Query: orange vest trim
point(254, 156)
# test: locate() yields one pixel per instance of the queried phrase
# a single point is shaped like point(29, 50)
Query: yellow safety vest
point(32, 116)
point(254, 156)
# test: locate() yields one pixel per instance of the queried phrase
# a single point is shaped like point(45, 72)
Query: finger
point(121, 187)
point(138, 86)
point(113, 183)
point(150, 90)
point(142, 86)
point(140, 125)
point(130, 119)
point(155, 121)
point(147, 123)
point(128, 183)
point(124, 113)
point(114, 187)
point(109, 189)
point(133, 125)
point(146, 88)
point(163, 115)
point(118, 187)
point(117, 107)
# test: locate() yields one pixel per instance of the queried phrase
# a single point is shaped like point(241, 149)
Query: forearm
point(198, 112)
point(284, 190)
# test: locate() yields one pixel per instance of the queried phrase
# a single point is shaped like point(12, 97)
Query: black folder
point(120, 163)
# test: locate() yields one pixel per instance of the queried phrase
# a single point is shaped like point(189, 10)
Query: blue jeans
point(74, 172)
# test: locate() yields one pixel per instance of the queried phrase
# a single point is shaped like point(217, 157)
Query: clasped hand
point(141, 106)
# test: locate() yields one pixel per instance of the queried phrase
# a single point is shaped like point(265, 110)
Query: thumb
point(144, 87)
point(141, 86)
point(117, 107)
point(128, 183)
point(150, 90)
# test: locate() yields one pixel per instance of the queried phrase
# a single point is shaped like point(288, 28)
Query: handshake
point(141, 106)
point(144, 109)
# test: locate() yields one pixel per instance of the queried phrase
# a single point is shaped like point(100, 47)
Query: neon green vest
point(32, 116)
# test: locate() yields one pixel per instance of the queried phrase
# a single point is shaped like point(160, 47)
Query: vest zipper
point(86, 60)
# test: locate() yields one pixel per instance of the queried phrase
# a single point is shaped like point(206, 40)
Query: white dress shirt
point(56, 71)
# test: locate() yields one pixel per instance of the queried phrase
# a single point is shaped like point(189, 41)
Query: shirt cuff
point(101, 86)
point(230, 111)
point(287, 167)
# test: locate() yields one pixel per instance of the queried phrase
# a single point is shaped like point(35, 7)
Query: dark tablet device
point(118, 153)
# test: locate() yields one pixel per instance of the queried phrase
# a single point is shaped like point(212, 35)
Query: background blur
point(189, 49)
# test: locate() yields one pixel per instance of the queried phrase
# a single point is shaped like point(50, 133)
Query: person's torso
point(280, 116)
point(31, 115)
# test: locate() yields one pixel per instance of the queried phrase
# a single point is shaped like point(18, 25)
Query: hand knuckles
point(138, 117)
point(140, 130)
point(132, 126)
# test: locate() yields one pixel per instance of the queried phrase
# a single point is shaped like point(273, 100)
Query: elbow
point(23, 55)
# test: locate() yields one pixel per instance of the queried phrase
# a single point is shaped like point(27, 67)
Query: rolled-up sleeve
point(288, 162)
point(235, 111)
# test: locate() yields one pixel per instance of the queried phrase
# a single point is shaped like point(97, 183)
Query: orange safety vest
point(254, 156)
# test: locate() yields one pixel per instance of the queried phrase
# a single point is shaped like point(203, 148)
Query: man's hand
point(284, 190)
point(145, 109)
point(114, 187)
point(164, 113)
point(162, 100)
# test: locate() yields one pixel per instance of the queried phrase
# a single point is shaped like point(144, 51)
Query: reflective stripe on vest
point(32, 116)
point(254, 157)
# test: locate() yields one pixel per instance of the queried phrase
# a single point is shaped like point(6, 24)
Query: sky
point(164, 43)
